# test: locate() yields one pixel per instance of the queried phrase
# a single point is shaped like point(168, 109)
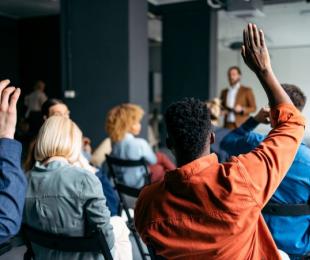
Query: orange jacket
point(208, 210)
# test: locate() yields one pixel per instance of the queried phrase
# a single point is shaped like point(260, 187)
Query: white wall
point(291, 65)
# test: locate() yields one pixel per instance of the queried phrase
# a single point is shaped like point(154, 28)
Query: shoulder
point(76, 174)
point(224, 91)
point(303, 154)
point(246, 88)
point(149, 195)
point(138, 141)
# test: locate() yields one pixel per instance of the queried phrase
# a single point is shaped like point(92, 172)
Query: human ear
point(212, 138)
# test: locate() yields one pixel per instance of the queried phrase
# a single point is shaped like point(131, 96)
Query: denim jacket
point(291, 234)
point(64, 199)
point(133, 148)
point(13, 186)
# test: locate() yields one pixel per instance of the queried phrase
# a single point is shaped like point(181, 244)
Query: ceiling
point(285, 25)
point(28, 8)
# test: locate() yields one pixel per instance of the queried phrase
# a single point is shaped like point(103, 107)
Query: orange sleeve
point(141, 214)
point(264, 168)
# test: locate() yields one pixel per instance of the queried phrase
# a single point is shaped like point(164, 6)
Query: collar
point(51, 165)
point(129, 136)
point(192, 168)
point(236, 86)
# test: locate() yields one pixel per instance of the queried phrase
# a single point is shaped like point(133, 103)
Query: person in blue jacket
point(13, 182)
point(291, 233)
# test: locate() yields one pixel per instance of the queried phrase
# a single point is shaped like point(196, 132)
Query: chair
point(96, 243)
point(5, 247)
point(123, 189)
point(15, 241)
point(153, 254)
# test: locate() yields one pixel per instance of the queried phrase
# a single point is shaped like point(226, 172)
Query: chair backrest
point(122, 190)
point(96, 243)
point(116, 162)
point(5, 247)
point(153, 254)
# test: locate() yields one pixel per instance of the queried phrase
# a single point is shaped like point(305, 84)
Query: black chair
point(153, 254)
point(5, 247)
point(123, 190)
point(15, 241)
point(95, 243)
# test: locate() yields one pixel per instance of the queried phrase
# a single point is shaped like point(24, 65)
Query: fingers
point(5, 98)
point(246, 38)
point(256, 36)
point(14, 98)
point(3, 85)
point(251, 36)
point(243, 53)
point(262, 38)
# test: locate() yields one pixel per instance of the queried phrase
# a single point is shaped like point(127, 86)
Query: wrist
point(264, 72)
point(257, 120)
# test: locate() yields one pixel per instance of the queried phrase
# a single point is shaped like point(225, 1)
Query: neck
point(183, 160)
point(55, 158)
point(235, 84)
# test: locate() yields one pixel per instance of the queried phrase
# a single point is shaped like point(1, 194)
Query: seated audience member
point(220, 132)
point(56, 107)
point(12, 179)
point(75, 204)
point(208, 210)
point(49, 108)
point(123, 123)
point(99, 155)
point(291, 233)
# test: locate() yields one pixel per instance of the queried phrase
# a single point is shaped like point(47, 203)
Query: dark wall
point(186, 52)
point(39, 48)
point(30, 50)
point(95, 61)
point(104, 58)
point(9, 52)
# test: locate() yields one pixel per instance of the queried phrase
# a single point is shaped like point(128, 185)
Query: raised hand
point(8, 114)
point(263, 116)
point(254, 50)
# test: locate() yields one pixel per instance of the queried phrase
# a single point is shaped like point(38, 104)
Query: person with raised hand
point(12, 179)
point(208, 210)
point(287, 214)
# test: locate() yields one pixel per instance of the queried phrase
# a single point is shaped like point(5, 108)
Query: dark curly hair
point(297, 96)
point(189, 125)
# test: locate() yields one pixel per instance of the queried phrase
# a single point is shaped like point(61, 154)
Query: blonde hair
point(120, 119)
point(215, 109)
point(59, 136)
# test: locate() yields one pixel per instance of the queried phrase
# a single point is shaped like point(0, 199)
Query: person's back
point(133, 148)
point(123, 124)
point(291, 233)
point(207, 210)
point(57, 201)
point(62, 198)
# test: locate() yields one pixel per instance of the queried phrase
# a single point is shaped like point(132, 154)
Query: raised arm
point(12, 178)
point(256, 56)
point(264, 168)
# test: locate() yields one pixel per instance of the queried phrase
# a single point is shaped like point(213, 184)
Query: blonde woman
point(65, 199)
point(123, 124)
